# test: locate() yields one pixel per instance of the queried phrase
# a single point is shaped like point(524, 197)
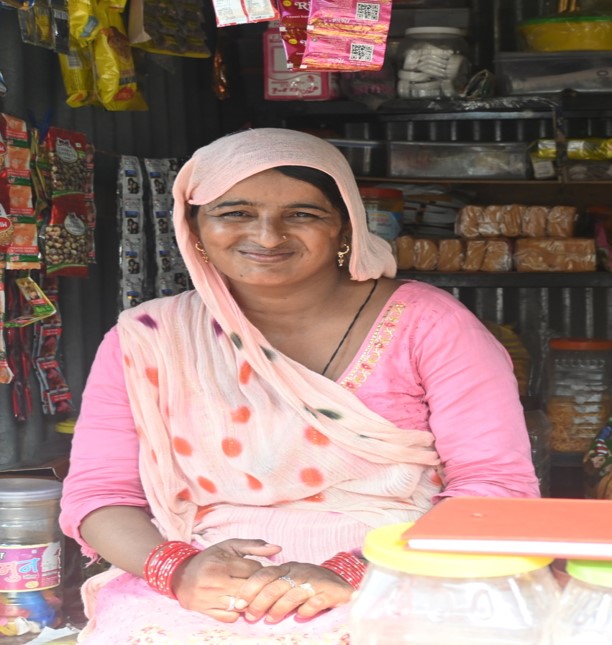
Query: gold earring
point(342, 254)
point(202, 251)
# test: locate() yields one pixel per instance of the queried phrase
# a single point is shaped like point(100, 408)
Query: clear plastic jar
point(413, 597)
point(31, 549)
point(579, 374)
point(583, 615)
point(384, 210)
point(432, 62)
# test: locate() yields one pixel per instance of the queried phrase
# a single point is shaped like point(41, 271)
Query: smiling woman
point(238, 441)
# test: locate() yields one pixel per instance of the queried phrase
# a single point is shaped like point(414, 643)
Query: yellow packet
point(115, 74)
point(83, 24)
point(78, 77)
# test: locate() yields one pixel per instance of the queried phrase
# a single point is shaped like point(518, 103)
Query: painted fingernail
point(240, 604)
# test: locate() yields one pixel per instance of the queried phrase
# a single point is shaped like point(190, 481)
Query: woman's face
point(270, 229)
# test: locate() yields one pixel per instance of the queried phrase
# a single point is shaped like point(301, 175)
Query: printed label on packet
point(238, 12)
point(25, 568)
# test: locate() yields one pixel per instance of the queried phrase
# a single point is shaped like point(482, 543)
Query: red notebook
point(562, 528)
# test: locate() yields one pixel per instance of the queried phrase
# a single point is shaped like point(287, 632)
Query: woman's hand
point(276, 591)
point(208, 581)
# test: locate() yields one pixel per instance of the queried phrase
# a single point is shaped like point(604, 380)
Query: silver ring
point(289, 580)
point(232, 604)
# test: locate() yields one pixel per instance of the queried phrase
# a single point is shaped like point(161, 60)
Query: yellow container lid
point(66, 426)
point(385, 547)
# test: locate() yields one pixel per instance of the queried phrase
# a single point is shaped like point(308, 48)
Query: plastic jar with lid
point(31, 549)
point(432, 62)
point(384, 210)
point(583, 615)
point(579, 379)
point(413, 597)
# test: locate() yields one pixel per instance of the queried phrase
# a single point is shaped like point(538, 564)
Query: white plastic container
point(31, 547)
point(583, 615)
point(413, 597)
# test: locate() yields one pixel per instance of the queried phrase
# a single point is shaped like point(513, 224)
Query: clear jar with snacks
point(384, 210)
point(579, 374)
point(583, 615)
point(432, 62)
point(31, 547)
point(413, 597)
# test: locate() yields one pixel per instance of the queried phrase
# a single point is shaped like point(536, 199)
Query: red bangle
point(347, 566)
point(163, 561)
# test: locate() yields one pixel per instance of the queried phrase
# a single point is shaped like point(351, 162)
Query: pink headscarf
point(215, 168)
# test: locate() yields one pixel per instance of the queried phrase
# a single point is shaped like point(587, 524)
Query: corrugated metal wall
point(184, 115)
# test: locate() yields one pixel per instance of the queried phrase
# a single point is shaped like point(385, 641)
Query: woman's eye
point(234, 214)
point(304, 215)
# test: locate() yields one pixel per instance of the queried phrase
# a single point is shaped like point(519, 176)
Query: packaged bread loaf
point(510, 220)
point(533, 222)
point(474, 255)
point(425, 254)
point(560, 221)
point(450, 255)
point(497, 255)
point(405, 252)
point(467, 222)
point(549, 254)
point(488, 222)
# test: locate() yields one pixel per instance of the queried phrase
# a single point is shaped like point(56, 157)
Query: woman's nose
point(270, 233)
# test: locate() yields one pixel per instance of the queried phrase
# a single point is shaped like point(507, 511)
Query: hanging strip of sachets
point(171, 273)
point(6, 374)
point(19, 242)
point(347, 35)
point(131, 220)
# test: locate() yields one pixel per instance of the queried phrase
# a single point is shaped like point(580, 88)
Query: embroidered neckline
point(371, 355)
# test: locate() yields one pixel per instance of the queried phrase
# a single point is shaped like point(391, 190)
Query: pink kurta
point(427, 364)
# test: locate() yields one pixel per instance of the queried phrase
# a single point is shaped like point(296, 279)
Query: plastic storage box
point(545, 72)
point(458, 160)
point(366, 158)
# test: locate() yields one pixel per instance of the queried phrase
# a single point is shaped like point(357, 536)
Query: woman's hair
point(317, 178)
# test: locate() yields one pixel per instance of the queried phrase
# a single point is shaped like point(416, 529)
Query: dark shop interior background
point(185, 112)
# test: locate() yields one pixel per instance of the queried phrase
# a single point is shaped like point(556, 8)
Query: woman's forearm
point(122, 535)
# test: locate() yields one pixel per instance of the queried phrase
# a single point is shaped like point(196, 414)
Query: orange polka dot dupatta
point(225, 419)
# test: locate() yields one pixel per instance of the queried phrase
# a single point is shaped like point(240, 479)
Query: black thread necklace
point(348, 329)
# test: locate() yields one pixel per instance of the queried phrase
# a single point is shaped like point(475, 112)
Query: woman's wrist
point(163, 562)
point(348, 566)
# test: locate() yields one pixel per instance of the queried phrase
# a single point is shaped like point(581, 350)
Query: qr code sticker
point(361, 52)
point(367, 11)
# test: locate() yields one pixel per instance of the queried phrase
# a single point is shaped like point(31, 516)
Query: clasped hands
point(223, 583)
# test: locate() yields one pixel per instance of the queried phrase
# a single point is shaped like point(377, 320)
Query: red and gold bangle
point(163, 561)
point(347, 566)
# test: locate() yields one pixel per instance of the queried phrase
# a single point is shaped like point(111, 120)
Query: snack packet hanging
point(171, 27)
point(36, 24)
point(65, 239)
point(346, 36)
point(84, 25)
point(67, 155)
point(115, 73)
point(77, 74)
point(240, 12)
point(59, 25)
point(293, 22)
point(37, 306)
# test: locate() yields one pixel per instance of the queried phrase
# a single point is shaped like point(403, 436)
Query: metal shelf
point(511, 279)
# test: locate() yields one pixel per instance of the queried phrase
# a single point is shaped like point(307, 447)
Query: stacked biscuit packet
point(506, 237)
